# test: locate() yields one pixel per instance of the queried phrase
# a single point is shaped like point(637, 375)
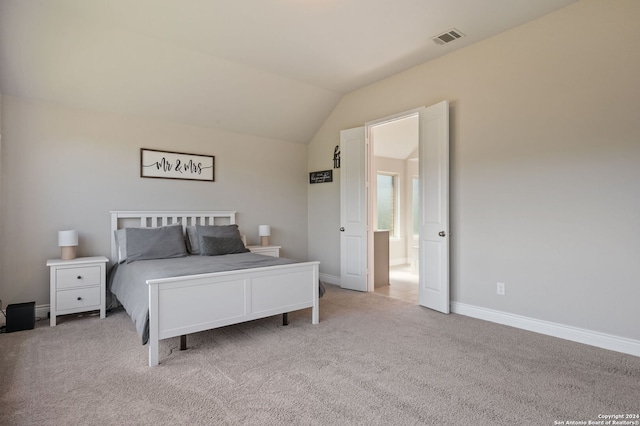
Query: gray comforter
point(128, 281)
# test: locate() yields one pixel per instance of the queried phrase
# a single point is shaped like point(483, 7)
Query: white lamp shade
point(264, 230)
point(67, 238)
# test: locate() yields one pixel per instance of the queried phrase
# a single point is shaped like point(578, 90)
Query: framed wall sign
point(176, 165)
point(321, 177)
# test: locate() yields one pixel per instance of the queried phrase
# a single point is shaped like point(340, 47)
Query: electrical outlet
point(500, 289)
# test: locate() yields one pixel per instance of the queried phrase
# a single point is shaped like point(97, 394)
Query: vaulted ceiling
point(273, 68)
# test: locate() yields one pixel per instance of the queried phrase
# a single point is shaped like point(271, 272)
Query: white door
point(434, 207)
point(353, 209)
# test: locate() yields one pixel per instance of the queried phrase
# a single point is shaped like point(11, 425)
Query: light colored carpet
point(371, 360)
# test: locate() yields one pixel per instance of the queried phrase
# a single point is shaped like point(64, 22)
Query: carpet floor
point(372, 360)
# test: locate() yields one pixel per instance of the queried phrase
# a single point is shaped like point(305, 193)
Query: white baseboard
point(42, 311)
point(575, 334)
point(580, 335)
point(329, 279)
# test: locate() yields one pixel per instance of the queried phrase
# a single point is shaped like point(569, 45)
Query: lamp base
point(264, 241)
point(67, 253)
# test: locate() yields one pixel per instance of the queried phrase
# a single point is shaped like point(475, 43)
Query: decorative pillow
point(217, 246)
point(121, 244)
point(192, 240)
point(228, 231)
point(164, 242)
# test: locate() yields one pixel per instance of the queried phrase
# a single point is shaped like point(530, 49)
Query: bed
point(171, 294)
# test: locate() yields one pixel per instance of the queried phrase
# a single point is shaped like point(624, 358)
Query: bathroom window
point(387, 202)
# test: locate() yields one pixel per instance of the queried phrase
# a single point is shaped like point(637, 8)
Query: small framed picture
point(321, 177)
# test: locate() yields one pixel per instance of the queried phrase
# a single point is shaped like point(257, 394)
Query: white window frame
point(393, 233)
point(414, 178)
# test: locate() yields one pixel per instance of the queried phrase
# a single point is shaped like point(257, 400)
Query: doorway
point(395, 206)
point(357, 212)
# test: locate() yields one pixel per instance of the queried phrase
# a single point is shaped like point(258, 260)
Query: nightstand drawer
point(78, 277)
point(77, 298)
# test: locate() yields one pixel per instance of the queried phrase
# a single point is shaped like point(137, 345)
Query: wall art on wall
point(176, 165)
point(321, 177)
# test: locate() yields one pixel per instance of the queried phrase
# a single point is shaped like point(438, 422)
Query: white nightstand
point(77, 285)
point(273, 251)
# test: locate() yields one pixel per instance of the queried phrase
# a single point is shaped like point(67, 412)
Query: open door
point(434, 207)
point(353, 209)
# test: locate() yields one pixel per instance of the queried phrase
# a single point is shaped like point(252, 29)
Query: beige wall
point(545, 155)
point(66, 168)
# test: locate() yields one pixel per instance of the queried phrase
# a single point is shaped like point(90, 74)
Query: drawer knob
point(79, 298)
point(79, 277)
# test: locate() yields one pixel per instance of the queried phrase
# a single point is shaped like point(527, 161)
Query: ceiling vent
point(448, 37)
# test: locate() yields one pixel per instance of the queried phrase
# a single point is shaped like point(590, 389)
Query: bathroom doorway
point(358, 207)
point(395, 204)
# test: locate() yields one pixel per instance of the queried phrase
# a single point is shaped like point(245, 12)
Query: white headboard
point(152, 219)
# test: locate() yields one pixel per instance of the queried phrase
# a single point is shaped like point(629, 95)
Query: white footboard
point(188, 304)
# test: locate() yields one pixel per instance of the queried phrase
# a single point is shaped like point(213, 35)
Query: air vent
point(448, 37)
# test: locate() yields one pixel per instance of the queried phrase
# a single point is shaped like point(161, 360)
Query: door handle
point(342, 229)
point(442, 234)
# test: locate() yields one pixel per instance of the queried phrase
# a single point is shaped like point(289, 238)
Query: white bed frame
point(188, 304)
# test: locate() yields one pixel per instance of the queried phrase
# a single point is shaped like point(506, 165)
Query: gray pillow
point(121, 244)
point(164, 242)
point(192, 240)
point(217, 246)
point(227, 231)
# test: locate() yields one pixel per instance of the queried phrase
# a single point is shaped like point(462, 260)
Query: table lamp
point(264, 231)
point(68, 240)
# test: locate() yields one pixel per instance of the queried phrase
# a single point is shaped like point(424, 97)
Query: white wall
point(411, 170)
point(66, 168)
point(545, 148)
